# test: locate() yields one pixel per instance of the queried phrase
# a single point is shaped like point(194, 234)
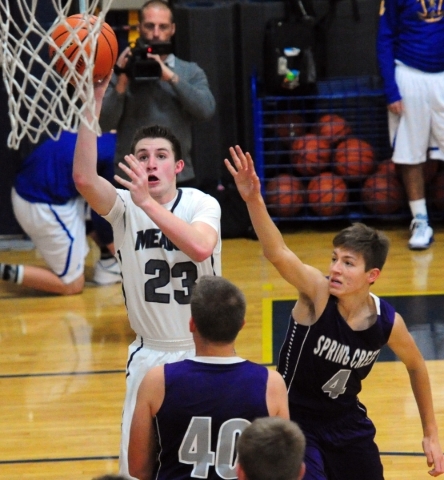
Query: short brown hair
point(372, 244)
point(218, 309)
point(271, 448)
point(157, 131)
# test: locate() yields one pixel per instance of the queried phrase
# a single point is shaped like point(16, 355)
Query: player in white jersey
point(165, 238)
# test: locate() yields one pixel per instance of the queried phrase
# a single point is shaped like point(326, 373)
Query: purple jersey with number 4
point(324, 364)
point(205, 409)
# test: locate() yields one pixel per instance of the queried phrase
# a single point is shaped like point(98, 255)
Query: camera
point(142, 69)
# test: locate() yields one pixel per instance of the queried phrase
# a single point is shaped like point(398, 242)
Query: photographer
point(178, 97)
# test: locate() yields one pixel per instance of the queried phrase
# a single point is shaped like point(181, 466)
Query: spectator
point(336, 331)
point(271, 448)
point(178, 98)
point(409, 49)
point(165, 239)
point(53, 214)
point(188, 414)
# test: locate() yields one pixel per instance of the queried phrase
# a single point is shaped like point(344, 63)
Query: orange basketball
point(310, 154)
point(74, 32)
point(332, 127)
point(288, 126)
point(387, 167)
point(382, 193)
point(284, 195)
point(327, 194)
point(437, 191)
point(353, 159)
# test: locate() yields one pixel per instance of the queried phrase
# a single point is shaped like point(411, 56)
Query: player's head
point(157, 131)
point(156, 21)
point(217, 309)
point(372, 244)
point(271, 448)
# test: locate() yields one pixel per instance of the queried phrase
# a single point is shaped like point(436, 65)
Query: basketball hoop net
point(39, 100)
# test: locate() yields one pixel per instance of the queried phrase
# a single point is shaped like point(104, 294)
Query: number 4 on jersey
point(336, 385)
point(196, 447)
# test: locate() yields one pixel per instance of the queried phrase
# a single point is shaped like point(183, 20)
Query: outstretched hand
point(435, 457)
point(101, 86)
point(244, 174)
point(138, 183)
point(99, 89)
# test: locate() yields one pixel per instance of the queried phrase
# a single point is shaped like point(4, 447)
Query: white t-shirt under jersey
point(156, 275)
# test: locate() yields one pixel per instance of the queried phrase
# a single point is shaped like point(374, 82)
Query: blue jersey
point(206, 408)
point(45, 175)
point(324, 364)
point(411, 32)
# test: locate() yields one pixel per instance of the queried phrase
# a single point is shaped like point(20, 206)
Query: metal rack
point(280, 120)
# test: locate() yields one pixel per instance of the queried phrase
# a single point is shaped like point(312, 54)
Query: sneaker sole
point(421, 247)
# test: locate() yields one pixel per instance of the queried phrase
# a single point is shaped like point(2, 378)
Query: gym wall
point(226, 39)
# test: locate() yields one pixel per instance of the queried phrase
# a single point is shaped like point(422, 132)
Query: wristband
point(119, 70)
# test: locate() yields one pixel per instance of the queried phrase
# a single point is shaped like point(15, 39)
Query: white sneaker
point(422, 235)
point(107, 272)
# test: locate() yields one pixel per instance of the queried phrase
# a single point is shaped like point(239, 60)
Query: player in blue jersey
point(337, 329)
point(165, 239)
point(271, 448)
point(189, 414)
point(409, 50)
point(53, 214)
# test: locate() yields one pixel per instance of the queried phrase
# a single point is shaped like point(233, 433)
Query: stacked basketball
point(327, 194)
point(382, 192)
point(332, 127)
point(284, 195)
point(310, 154)
point(330, 163)
point(353, 159)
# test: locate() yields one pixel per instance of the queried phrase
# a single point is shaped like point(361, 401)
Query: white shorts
point(58, 233)
point(421, 126)
point(140, 360)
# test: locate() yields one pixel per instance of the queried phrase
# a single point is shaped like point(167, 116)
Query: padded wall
point(205, 35)
point(350, 41)
point(252, 16)
point(9, 158)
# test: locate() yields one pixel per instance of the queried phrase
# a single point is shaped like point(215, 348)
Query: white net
point(39, 99)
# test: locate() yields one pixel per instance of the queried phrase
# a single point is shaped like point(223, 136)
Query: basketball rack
point(361, 102)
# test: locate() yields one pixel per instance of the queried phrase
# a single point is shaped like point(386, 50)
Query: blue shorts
point(341, 450)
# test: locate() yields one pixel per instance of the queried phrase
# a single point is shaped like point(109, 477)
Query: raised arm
point(404, 346)
point(305, 278)
point(99, 193)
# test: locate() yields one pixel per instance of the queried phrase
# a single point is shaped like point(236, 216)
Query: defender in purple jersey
point(337, 328)
point(189, 414)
